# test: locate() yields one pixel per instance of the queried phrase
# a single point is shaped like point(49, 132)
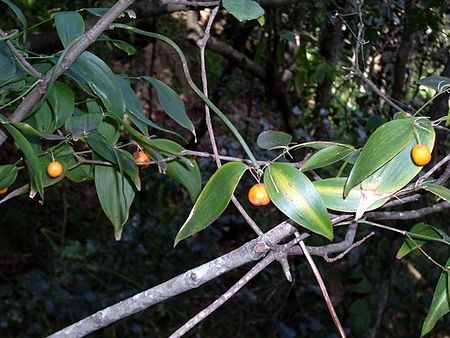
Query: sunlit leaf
point(438, 83)
point(294, 194)
point(243, 9)
point(213, 199)
point(326, 156)
point(271, 138)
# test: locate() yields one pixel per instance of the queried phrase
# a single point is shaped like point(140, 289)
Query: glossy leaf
point(129, 167)
point(135, 110)
point(425, 232)
point(91, 70)
point(331, 190)
point(271, 138)
point(62, 101)
point(42, 118)
point(438, 190)
point(31, 158)
point(115, 193)
point(70, 26)
point(243, 10)
point(171, 103)
point(186, 173)
point(440, 304)
point(26, 129)
point(326, 156)
point(213, 199)
point(438, 83)
point(294, 194)
point(81, 122)
point(386, 142)
point(8, 174)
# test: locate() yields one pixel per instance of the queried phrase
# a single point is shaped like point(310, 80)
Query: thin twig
point(351, 247)
point(410, 214)
point(323, 288)
point(26, 65)
point(191, 3)
point(261, 265)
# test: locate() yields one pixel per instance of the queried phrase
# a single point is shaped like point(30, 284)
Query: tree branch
point(411, 214)
point(79, 47)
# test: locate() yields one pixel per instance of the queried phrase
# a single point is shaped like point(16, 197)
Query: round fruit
point(140, 158)
point(257, 195)
point(420, 155)
point(3, 191)
point(54, 169)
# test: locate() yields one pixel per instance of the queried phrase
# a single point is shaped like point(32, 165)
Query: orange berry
point(257, 195)
point(54, 169)
point(420, 155)
point(3, 190)
point(140, 157)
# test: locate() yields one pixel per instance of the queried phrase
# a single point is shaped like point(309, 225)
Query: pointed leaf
point(213, 199)
point(62, 101)
point(438, 83)
point(421, 229)
point(386, 142)
point(80, 173)
point(171, 103)
point(31, 158)
point(81, 122)
point(271, 138)
point(440, 305)
point(26, 129)
point(116, 194)
point(438, 190)
point(129, 167)
point(326, 156)
point(125, 46)
point(243, 10)
point(294, 194)
point(70, 26)
point(18, 12)
point(332, 191)
point(8, 174)
point(91, 70)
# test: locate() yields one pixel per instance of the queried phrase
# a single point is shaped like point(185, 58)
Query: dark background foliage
point(59, 262)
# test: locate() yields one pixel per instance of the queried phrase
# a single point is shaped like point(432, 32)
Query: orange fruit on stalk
point(257, 195)
point(3, 190)
point(54, 169)
point(420, 155)
point(140, 158)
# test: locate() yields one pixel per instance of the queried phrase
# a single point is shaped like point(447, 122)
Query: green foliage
point(271, 139)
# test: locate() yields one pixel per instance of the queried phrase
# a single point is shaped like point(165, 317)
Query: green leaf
point(421, 229)
point(7, 64)
point(81, 122)
point(438, 83)
point(70, 26)
point(42, 119)
point(116, 194)
point(331, 190)
point(91, 70)
point(125, 46)
point(271, 138)
point(171, 103)
point(294, 194)
point(326, 156)
point(440, 305)
point(18, 12)
point(31, 158)
point(29, 130)
point(129, 167)
point(438, 190)
point(243, 9)
point(213, 199)
point(135, 110)
point(8, 174)
point(188, 174)
point(62, 101)
point(386, 142)
point(80, 173)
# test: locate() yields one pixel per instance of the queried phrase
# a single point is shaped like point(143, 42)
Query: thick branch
point(79, 47)
point(188, 280)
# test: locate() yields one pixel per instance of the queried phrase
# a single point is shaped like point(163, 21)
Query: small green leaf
point(294, 194)
point(8, 174)
point(116, 194)
point(213, 199)
point(125, 46)
point(438, 190)
point(91, 70)
point(331, 190)
point(421, 229)
point(31, 158)
point(440, 305)
point(386, 142)
point(326, 156)
point(243, 9)
point(129, 167)
point(80, 173)
point(271, 138)
point(29, 130)
point(186, 173)
point(81, 122)
point(438, 83)
point(62, 101)
point(70, 26)
point(171, 103)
